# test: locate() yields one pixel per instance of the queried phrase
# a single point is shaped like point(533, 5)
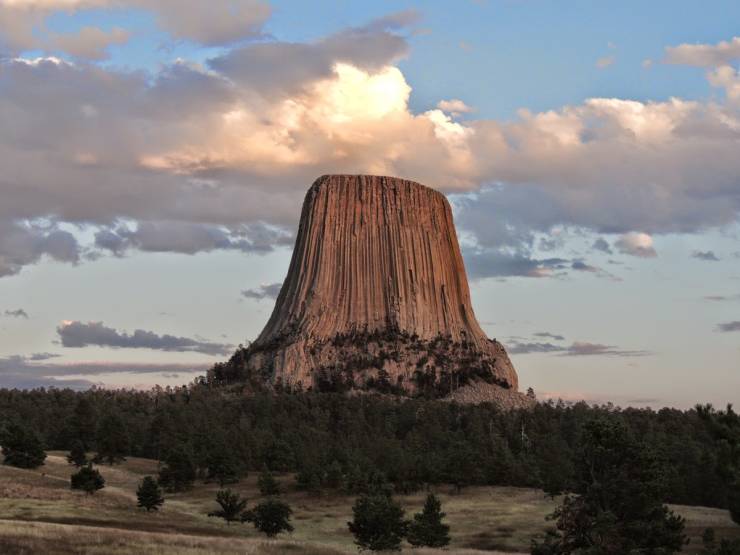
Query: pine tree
point(335, 475)
point(221, 464)
point(112, 440)
point(21, 446)
point(427, 529)
point(149, 494)
point(267, 483)
point(619, 507)
point(232, 506)
point(378, 523)
point(77, 455)
point(271, 517)
point(733, 499)
point(178, 472)
point(83, 423)
point(88, 479)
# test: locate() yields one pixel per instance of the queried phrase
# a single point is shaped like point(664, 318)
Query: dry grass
point(40, 514)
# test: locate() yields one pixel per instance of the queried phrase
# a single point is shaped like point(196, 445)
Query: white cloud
point(454, 106)
point(704, 55)
point(605, 62)
point(217, 22)
point(636, 244)
point(201, 157)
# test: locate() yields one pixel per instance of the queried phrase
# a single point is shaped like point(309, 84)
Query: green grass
point(40, 514)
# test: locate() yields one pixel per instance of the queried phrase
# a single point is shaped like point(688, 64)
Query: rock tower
point(376, 297)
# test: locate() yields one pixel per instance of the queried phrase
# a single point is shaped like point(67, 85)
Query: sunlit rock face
point(376, 297)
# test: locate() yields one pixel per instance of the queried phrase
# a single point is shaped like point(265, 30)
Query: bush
point(88, 479)
point(77, 455)
point(271, 517)
point(232, 506)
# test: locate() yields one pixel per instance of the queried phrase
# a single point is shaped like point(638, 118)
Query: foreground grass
point(40, 514)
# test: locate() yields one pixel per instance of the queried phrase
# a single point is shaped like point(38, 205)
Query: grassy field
point(40, 514)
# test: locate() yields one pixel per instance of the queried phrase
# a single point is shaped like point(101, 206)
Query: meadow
point(39, 513)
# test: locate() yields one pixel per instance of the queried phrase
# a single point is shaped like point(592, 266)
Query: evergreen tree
point(178, 472)
point(21, 446)
point(733, 500)
point(112, 440)
point(149, 494)
point(427, 529)
point(77, 455)
point(619, 509)
point(221, 464)
point(88, 479)
point(232, 506)
point(378, 523)
point(83, 423)
point(309, 478)
point(335, 476)
point(267, 483)
point(271, 517)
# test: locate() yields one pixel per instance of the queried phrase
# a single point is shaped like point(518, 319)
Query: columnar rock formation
point(376, 296)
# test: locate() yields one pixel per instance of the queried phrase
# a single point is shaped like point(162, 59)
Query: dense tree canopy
point(342, 441)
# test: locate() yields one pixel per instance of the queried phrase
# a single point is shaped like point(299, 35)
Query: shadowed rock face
point(376, 294)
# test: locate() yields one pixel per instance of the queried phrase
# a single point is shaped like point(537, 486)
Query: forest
point(347, 441)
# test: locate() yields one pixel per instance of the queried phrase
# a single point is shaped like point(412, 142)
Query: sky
point(155, 154)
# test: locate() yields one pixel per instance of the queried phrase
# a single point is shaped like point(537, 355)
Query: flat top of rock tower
point(369, 180)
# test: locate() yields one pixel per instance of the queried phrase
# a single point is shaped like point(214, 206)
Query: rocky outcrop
point(376, 296)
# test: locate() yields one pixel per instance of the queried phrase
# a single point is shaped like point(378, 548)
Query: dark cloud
point(27, 373)
point(549, 335)
point(80, 334)
point(17, 313)
point(191, 238)
point(497, 263)
point(707, 256)
point(36, 357)
point(581, 266)
point(602, 245)
point(729, 326)
point(282, 68)
point(23, 243)
point(577, 348)
point(722, 298)
point(269, 291)
point(526, 348)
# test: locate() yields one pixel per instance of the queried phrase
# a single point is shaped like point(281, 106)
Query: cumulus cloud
point(454, 106)
point(636, 244)
point(197, 157)
point(89, 43)
point(190, 238)
point(729, 326)
point(707, 256)
point(80, 334)
point(704, 55)
point(218, 22)
point(264, 291)
point(17, 313)
point(24, 242)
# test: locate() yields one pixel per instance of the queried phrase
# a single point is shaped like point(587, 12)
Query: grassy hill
point(40, 514)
